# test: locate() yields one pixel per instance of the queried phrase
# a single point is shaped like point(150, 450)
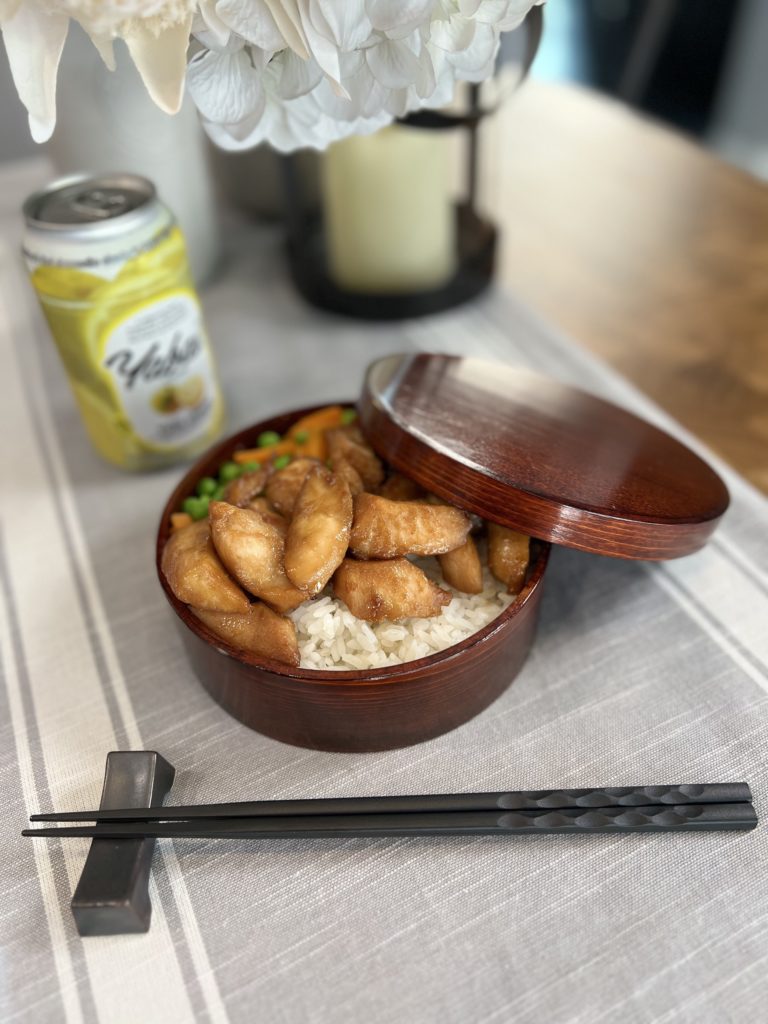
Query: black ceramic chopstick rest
point(112, 896)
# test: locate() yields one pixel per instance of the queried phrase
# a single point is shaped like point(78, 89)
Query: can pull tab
point(101, 203)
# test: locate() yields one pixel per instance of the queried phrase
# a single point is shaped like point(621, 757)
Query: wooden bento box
point(510, 446)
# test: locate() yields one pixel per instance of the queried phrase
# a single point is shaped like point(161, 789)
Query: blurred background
point(619, 193)
point(698, 66)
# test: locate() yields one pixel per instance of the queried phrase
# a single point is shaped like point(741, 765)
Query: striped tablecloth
point(641, 674)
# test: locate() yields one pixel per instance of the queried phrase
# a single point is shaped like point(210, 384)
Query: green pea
point(218, 494)
point(301, 436)
point(196, 507)
point(251, 467)
point(282, 461)
point(269, 437)
point(206, 486)
point(229, 471)
point(348, 416)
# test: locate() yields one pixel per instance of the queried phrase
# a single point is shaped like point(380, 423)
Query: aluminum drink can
point(109, 266)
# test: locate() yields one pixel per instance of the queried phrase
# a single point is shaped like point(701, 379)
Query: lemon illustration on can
point(166, 400)
point(191, 392)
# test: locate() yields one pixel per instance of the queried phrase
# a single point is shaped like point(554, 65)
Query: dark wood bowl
point(376, 709)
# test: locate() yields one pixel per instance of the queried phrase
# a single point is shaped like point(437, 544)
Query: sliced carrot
point(179, 520)
point(315, 447)
point(264, 455)
point(322, 419)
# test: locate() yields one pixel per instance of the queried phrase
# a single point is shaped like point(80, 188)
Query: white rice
point(330, 637)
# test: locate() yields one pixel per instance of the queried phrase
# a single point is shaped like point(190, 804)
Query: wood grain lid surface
point(539, 456)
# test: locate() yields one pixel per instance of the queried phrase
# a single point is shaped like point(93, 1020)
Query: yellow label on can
point(136, 352)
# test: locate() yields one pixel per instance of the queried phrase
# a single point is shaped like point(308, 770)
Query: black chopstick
point(546, 799)
point(572, 820)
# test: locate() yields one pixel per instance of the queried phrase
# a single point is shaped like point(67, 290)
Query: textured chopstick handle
point(674, 818)
point(655, 818)
point(629, 796)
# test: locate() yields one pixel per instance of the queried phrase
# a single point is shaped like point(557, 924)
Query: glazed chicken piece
point(462, 568)
point(347, 443)
point(246, 487)
point(265, 510)
point(387, 529)
point(347, 472)
point(252, 549)
point(400, 488)
point(259, 631)
point(393, 589)
point(508, 556)
point(283, 487)
point(195, 574)
point(318, 536)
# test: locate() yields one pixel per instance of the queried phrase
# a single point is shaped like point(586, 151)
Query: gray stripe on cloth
point(716, 624)
point(33, 981)
point(95, 642)
point(33, 395)
point(757, 576)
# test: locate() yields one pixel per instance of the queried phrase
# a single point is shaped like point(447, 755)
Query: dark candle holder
point(476, 235)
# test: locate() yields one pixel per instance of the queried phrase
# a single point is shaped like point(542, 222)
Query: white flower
point(351, 66)
point(289, 72)
point(34, 31)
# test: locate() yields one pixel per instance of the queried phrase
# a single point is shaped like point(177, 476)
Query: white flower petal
point(393, 63)
point(374, 100)
point(397, 103)
point(288, 20)
point(453, 34)
point(160, 59)
point(34, 40)
point(322, 48)
point(297, 77)
point(426, 79)
point(285, 126)
point(341, 108)
point(398, 15)
point(235, 136)
point(351, 63)
point(105, 50)
point(346, 24)
point(297, 125)
point(445, 79)
point(218, 29)
point(477, 62)
point(226, 87)
point(366, 97)
point(504, 14)
point(251, 19)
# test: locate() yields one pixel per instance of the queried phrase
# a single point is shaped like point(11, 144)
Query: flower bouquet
point(292, 73)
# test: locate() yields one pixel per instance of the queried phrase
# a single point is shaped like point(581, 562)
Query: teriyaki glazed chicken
point(308, 551)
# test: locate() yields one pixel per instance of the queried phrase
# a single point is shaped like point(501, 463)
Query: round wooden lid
point(540, 457)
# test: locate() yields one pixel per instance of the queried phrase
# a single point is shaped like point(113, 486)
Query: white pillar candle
point(389, 215)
